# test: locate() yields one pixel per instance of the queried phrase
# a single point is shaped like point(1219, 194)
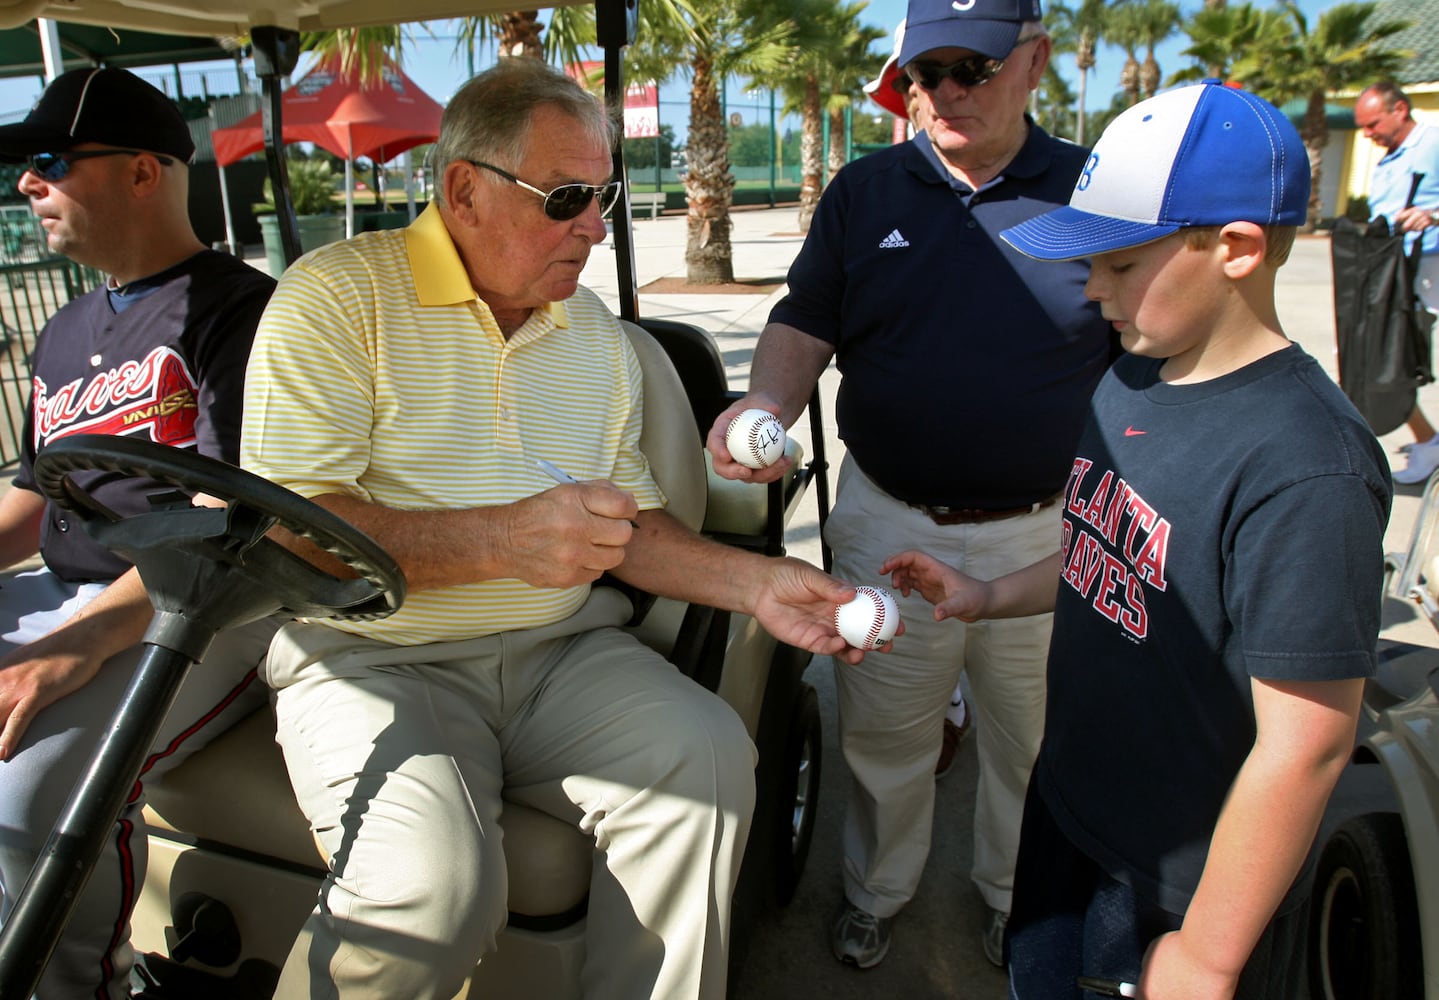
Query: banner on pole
point(642, 100)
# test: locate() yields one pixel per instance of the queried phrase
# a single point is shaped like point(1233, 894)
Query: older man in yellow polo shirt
point(410, 381)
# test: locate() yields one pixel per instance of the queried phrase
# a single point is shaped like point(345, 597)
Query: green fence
point(30, 293)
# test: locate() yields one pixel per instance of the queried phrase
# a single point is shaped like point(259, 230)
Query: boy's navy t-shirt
point(1213, 533)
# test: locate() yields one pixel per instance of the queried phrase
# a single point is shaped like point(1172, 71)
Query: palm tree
point(1214, 67)
point(830, 56)
point(365, 51)
point(1054, 104)
point(521, 33)
point(851, 62)
point(1087, 21)
point(1124, 26)
point(719, 39)
point(1345, 49)
point(1232, 41)
point(1063, 40)
point(1159, 21)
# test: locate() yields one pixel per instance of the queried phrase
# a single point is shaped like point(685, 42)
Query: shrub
point(312, 187)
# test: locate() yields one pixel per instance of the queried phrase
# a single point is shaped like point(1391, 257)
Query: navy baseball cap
point(109, 106)
point(1201, 155)
point(989, 27)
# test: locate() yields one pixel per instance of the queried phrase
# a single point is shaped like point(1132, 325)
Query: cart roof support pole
point(277, 50)
point(616, 24)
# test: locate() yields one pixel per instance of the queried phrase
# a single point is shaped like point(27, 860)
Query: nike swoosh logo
point(1130, 432)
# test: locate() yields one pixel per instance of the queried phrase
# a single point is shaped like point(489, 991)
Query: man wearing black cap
point(966, 371)
point(159, 353)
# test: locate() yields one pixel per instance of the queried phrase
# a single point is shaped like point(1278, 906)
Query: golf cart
point(1374, 918)
point(233, 870)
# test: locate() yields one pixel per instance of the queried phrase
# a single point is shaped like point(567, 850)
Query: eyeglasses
point(567, 201)
point(971, 71)
point(54, 166)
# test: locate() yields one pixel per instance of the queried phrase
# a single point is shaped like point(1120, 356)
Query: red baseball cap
point(888, 91)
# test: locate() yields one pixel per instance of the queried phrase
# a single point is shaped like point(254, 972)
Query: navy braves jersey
point(1213, 533)
point(966, 365)
point(169, 368)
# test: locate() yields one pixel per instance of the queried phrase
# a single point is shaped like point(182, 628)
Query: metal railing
point(31, 291)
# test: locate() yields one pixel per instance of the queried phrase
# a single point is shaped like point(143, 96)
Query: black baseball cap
point(110, 106)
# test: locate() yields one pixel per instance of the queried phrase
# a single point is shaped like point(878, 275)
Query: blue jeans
point(1072, 919)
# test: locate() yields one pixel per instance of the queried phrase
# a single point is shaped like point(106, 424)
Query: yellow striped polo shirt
point(378, 373)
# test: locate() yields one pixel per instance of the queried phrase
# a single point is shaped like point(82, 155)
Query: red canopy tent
point(377, 121)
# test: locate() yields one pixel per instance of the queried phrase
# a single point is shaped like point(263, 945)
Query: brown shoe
point(949, 745)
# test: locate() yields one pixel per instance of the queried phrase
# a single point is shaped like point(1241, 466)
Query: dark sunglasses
point(53, 166)
point(971, 71)
point(567, 201)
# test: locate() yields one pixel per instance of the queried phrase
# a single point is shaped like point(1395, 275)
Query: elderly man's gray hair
point(491, 116)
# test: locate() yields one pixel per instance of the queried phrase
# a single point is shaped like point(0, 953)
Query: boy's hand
point(953, 594)
point(1171, 972)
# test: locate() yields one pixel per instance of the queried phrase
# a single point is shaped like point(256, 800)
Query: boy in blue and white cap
point(1198, 714)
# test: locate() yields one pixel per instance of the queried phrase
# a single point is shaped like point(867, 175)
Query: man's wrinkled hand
point(795, 603)
point(570, 535)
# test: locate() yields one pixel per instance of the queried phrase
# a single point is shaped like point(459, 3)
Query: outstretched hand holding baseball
point(795, 602)
point(726, 464)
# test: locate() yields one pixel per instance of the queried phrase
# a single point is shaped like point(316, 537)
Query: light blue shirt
point(1389, 188)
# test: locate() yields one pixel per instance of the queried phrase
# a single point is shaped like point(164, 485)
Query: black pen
point(561, 476)
point(1108, 987)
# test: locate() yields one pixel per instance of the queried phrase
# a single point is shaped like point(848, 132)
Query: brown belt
point(978, 515)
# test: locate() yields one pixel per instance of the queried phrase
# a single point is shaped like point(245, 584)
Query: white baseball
point(868, 621)
point(755, 438)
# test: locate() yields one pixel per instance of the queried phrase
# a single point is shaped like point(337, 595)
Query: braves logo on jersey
point(1114, 544)
point(154, 396)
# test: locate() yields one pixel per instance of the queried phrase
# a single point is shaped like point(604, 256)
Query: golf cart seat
point(224, 826)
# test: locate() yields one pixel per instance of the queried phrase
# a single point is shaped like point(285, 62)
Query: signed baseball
point(755, 438)
point(868, 621)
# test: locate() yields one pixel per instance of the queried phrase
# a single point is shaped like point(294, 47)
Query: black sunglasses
point(53, 166)
point(567, 201)
point(971, 71)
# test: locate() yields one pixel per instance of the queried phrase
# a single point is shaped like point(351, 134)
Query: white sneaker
point(1423, 460)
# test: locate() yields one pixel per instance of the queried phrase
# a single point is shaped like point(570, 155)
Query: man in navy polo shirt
point(966, 371)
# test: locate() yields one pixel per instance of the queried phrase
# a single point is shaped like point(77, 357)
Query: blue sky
point(433, 65)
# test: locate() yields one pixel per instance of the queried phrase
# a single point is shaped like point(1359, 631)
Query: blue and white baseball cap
point(1201, 155)
point(989, 27)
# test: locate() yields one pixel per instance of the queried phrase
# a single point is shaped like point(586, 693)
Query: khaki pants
point(891, 707)
point(398, 756)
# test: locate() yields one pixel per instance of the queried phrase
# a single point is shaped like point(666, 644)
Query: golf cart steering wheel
point(230, 538)
point(205, 569)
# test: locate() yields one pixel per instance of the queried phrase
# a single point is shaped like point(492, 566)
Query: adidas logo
point(892, 241)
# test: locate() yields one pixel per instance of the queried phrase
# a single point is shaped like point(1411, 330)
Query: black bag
point(1384, 332)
